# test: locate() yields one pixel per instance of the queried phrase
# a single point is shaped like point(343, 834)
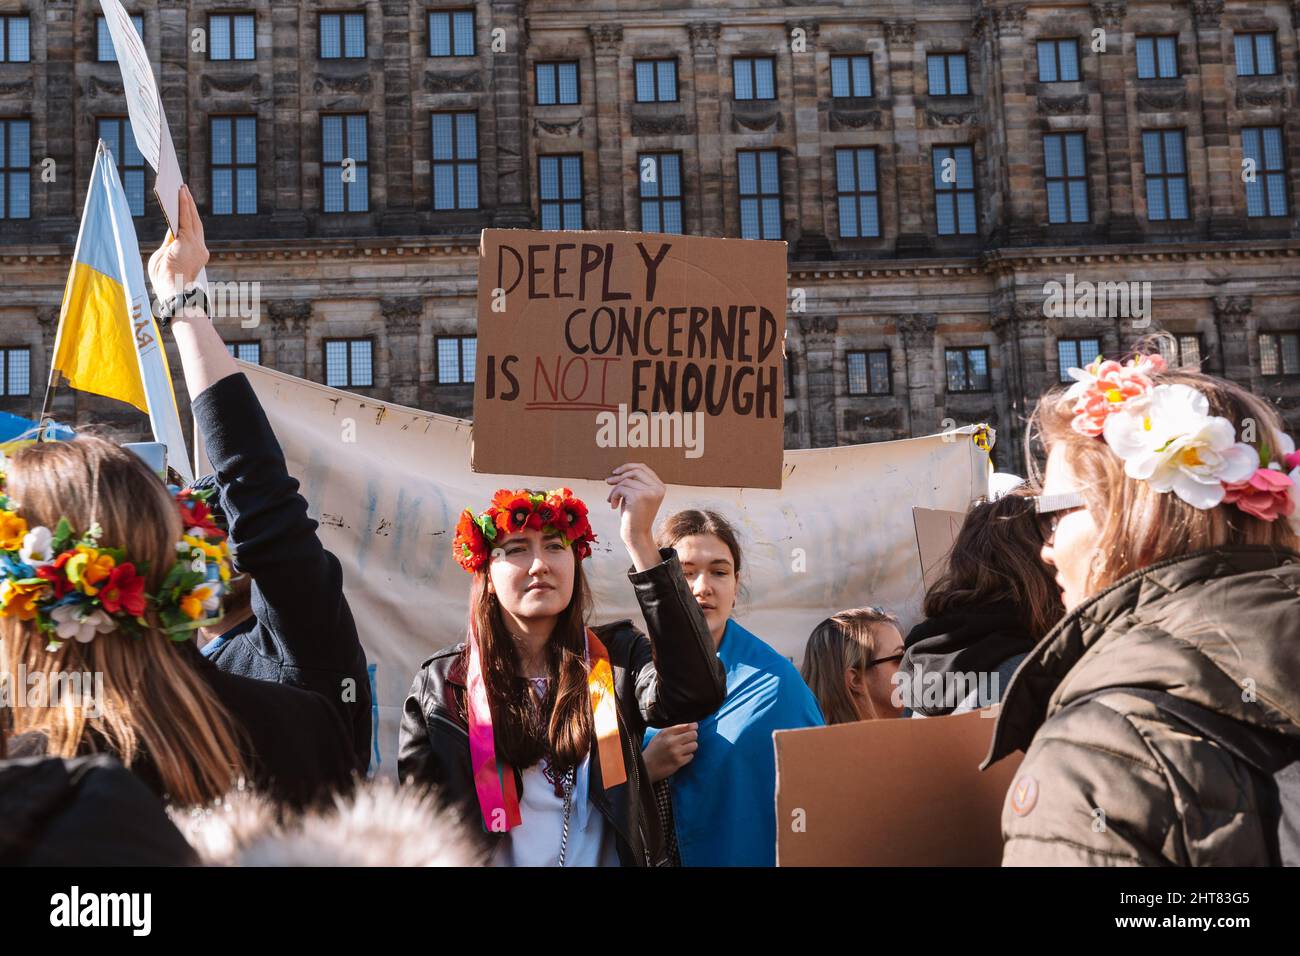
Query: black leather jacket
point(672, 677)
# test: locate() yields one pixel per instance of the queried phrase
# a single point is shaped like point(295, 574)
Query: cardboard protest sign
point(904, 792)
point(936, 533)
point(597, 348)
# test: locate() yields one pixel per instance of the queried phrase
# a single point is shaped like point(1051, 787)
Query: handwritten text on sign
point(596, 348)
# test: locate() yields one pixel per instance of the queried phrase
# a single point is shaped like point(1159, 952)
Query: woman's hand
point(670, 750)
point(177, 262)
point(637, 492)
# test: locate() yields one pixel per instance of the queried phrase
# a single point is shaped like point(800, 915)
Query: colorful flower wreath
point(1167, 437)
point(552, 512)
point(74, 588)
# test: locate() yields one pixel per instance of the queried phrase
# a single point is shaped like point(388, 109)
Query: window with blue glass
point(15, 39)
point(250, 351)
point(850, 76)
point(233, 150)
point(660, 179)
point(15, 169)
point(1164, 164)
point(1065, 168)
point(117, 134)
point(857, 192)
point(656, 81)
point(232, 36)
point(451, 33)
point(104, 40)
point(556, 83)
point(1058, 61)
point(946, 74)
point(968, 369)
point(456, 357)
point(349, 363)
point(869, 372)
point(1075, 353)
point(1266, 191)
point(345, 163)
point(342, 36)
point(754, 77)
point(15, 371)
point(760, 193)
point(455, 160)
point(1256, 53)
point(1157, 58)
point(954, 190)
point(559, 186)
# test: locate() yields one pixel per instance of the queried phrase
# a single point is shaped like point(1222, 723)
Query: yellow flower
point(19, 600)
point(12, 531)
point(88, 567)
point(191, 606)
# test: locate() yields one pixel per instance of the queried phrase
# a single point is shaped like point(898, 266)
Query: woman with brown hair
point(1155, 713)
point(993, 603)
point(103, 572)
point(534, 723)
point(849, 664)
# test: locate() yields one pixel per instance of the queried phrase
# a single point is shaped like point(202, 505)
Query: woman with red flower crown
point(533, 726)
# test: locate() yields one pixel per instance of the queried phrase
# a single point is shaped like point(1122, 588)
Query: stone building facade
point(941, 314)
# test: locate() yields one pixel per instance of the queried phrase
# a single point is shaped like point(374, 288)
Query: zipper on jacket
point(443, 718)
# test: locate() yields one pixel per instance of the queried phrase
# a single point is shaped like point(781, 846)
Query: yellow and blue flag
point(108, 342)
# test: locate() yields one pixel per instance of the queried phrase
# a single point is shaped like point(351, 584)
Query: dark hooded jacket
point(87, 811)
point(1115, 780)
point(964, 646)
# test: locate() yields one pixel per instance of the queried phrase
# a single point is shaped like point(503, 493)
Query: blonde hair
point(845, 640)
point(154, 704)
point(1139, 526)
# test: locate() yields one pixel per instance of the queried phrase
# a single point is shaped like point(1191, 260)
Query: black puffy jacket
point(672, 677)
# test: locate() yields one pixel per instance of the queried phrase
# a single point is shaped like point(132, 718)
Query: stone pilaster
point(909, 164)
point(399, 141)
point(1109, 16)
point(819, 354)
point(288, 341)
point(812, 242)
point(1007, 38)
point(513, 208)
point(704, 52)
point(1233, 323)
point(923, 394)
point(59, 200)
point(402, 317)
point(1223, 177)
point(607, 41)
point(286, 116)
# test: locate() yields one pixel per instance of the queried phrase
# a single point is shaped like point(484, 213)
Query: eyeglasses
point(1052, 508)
point(884, 660)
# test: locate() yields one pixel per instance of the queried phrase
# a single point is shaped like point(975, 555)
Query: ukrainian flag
point(108, 342)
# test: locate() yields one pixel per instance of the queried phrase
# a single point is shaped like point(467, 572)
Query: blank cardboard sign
point(936, 533)
point(891, 793)
point(599, 348)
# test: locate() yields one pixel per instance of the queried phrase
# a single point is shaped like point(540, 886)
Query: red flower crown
point(552, 512)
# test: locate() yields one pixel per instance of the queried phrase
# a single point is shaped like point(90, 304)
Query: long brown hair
point(849, 639)
point(155, 705)
point(561, 727)
point(693, 521)
point(997, 558)
point(1138, 525)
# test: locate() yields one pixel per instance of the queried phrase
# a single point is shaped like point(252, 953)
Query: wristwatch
point(168, 308)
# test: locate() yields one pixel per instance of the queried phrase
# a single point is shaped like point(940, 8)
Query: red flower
point(124, 591)
point(575, 516)
point(56, 575)
point(514, 511)
point(469, 547)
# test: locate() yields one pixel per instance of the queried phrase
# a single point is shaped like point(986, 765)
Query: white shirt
point(536, 841)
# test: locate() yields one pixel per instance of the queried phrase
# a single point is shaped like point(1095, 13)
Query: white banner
point(388, 483)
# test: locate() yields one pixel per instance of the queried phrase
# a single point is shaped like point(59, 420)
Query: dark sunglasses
point(883, 660)
point(1052, 508)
